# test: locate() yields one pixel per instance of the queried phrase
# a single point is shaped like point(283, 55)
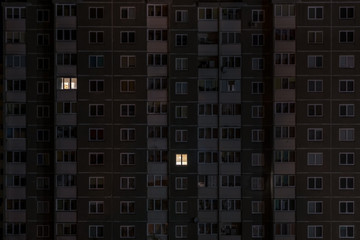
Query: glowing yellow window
point(181, 159)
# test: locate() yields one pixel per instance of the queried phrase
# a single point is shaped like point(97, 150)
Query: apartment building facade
point(179, 120)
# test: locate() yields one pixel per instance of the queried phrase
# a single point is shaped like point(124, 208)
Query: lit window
point(181, 160)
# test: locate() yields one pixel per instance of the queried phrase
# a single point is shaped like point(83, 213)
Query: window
point(285, 58)
point(96, 183)
point(15, 108)
point(42, 135)
point(15, 85)
point(157, 131)
point(284, 229)
point(257, 183)
point(314, 183)
point(96, 37)
point(231, 205)
point(127, 231)
point(315, 134)
point(181, 39)
point(284, 132)
point(66, 132)
point(42, 111)
point(181, 16)
point(42, 231)
point(158, 205)
point(346, 36)
point(157, 10)
point(96, 110)
point(257, 135)
point(66, 205)
point(42, 15)
point(96, 231)
point(15, 61)
point(207, 157)
point(257, 207)
point(346, 61)
point(284, 204)
point(66, 59)
point(346, 110)
point(230, 181)
point(127, 61)
point(157, 228)
point(43, 63)
point(208, 109)
point(96, 13)
point(157, 59)
point(315, 13)
point(127, 207)
point(230, 14)
point(65, 156)
point(208, 85)
point(181, 88)
point(230, 157)
point(181, 135)
point(315, 37)
point(257, 39)
point(65, 10)
point(346, 183)
point(127, 85)
point(257, 87)
point(181, 231)
point(315, 110)
point(157, 83)
point(157, 108)
point(96, 158)
point(157, 181)
point(15, 37)
point(346, 207)
point(127, 110)
point(181, 160)
point(16, 133)
point(284, 107)
point(16, 204)
point(96, 85)
point(44, 87)
point(234, 38)
point(346, 158)
point(127, 12)
point(66, 35)
point(314, 207)
point(257, 159)
point(346, 86)
point(315, 61)
point(127, 183)
point(64, 229)
point(346, 12)
point(207, 228)
point(65, 180)
point(315, 85)
point(315, 158)
point(181, 207)
point(42, 183)
point(66, 107)
point(346, 231)
point(16, 157)
point(284, 180)
point(231, 61)
point(346, 134)
point(230, 133)
point(181, 64)
point(257, 64)
point(257, 231)
point(258, 16)
point(15, 181)
point(15, 228)
point(43, 39)
point(284, 10)
point(67, 83)
point(96, 207)
point(285, 34)
point(127, 37)
point(96, 61)
point(127, 158)
point(157, 35)
point(181, 111)
point(96, 134)
point(207, 204)
point(17, 13)
point(127, 134)
point(181, 183)
point(208, 13)
point(315, 231)
point(42, 207)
